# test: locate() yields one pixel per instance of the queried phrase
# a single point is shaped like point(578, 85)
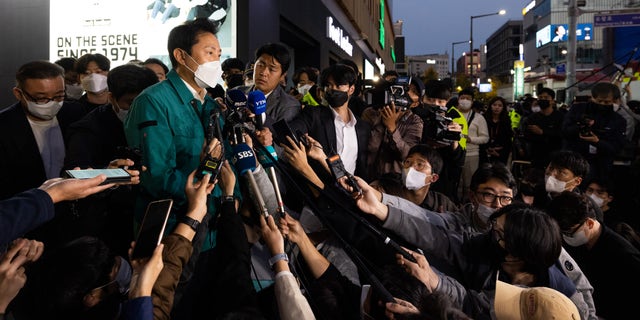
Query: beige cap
point(516, 303)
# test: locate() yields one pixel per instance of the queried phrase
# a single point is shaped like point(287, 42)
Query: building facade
point(418, 65)
point(318, 33)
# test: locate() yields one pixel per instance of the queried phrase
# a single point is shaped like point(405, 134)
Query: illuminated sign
point(484, 87)
point(431, 61)
point(124, 30)
point(380, 65)
point(560, 33)
point(528, 7)
point(543, 36)
point(518, 79)
point(381, 24)
point(338, 37)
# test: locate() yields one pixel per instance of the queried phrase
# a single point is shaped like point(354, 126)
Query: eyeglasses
point(418, 165)
point(489, 197)
point(497, 234)
point(573, 230)
point(43, 100)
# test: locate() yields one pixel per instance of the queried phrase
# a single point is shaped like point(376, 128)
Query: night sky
point(430, 26)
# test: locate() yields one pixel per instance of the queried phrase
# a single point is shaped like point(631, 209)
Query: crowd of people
point(427, 205)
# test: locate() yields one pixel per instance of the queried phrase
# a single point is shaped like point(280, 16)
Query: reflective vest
point(515, 119)
point(462, 120)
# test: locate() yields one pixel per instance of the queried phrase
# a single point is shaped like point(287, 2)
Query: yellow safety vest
point(463, 123)
point(515, 119)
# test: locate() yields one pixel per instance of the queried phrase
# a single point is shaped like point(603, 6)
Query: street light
point(501, 12)
point(453, 55)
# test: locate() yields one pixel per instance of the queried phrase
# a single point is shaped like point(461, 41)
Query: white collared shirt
point(50, 144)
point(193, 91)
point(346, 140)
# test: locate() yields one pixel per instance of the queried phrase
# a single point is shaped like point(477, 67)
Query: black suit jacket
point(21, 166)
point(318, 123)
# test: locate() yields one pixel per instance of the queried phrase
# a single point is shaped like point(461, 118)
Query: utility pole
point(571, 52)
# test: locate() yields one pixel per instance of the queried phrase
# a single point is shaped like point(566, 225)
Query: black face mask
point(336, 98)
point(602, 107)
point(235, 80)
point(543, 104)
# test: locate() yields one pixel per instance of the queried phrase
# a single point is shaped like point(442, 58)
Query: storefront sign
point(338, 36)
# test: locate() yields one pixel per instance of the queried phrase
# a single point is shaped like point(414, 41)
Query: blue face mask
point(123, 278)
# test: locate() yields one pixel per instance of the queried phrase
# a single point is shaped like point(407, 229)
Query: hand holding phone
point(113, 175)
point(152, 228)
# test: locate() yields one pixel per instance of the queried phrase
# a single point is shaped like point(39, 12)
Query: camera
point(383, 93)
point(436, 125)
point(584, 129)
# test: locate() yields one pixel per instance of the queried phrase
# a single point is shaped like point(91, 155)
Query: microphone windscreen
point(257, 102)
point(236, 99)
point(243, 158)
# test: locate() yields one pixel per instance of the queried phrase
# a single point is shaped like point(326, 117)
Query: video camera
point(378, 95)
point(436, 125)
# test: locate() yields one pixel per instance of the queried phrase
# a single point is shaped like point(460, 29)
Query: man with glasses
point(32, 130)
point(421, 168)
point(606, 258)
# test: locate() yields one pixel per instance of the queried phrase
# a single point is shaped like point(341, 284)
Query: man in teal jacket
point(167, 121)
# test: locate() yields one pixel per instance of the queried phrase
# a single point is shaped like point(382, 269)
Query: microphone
point(235, 99)
point(245, 162)
point(266, 156)
point(258, 105)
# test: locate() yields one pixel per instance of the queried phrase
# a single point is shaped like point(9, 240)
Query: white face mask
point(413, 179)
point(207, 74)
point(551, 184)
point(484, 212)
point(535, 109)
point(597, 200)
point(120, 113)
point(46, 111)
point(577, 239)
point(464, 104)
point(94, 82)
point(74, 91)
point(616, 107)
point(304, 89)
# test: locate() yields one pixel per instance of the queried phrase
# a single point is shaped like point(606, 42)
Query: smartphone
point(152, 228)
point(283, 131)
point(113, 175)
point(209, 165)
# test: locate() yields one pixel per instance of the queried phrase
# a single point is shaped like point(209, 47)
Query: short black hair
point(603, 89)
point(496, 170)
point(548, 91)
point(158, 62)
point(39, 69)
point(468, 91)
point(531, 235)
point(429, 153)
point(340, 73)
point(185, 35)
point(83, 62)
point(232, 63)
point(130, 78)
point(279, 52)
point(312, 74)
point(570, 160)
point(68, 63)
point(436, 89)
point(571, 208)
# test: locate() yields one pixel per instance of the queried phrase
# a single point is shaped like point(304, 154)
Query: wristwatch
point(193, 223)
point(278, 257)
